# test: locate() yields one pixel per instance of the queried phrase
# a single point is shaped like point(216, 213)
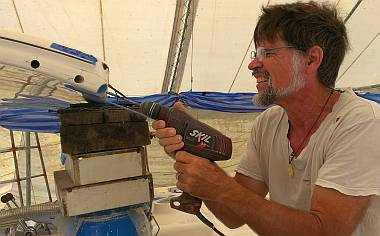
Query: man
point(315, 152)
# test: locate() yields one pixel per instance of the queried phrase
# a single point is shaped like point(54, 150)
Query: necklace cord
point(293, 154)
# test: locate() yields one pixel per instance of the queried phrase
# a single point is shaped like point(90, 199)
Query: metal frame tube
point(43, 166)
point(28, 170)
point(15, 161)
point(21, 179)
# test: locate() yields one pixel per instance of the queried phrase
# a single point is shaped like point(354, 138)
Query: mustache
point(260, 70)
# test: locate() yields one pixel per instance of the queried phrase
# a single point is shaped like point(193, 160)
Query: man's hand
point(196, 175)
point(201, 177)
point(167, 136)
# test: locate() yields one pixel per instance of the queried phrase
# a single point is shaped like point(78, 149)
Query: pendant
point(290, 170)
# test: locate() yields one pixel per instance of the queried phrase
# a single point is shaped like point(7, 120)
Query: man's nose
point(254, 63)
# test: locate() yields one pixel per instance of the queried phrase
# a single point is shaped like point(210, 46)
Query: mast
point(179, 45)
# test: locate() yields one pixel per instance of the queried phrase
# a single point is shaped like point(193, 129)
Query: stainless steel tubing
point(10, 216)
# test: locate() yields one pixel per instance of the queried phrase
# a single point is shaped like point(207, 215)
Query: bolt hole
point(35, 64)
point(78, 79)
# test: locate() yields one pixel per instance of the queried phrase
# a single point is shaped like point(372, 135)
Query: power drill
point(199, 138)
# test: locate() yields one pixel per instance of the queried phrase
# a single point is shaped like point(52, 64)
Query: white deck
point(173, 222)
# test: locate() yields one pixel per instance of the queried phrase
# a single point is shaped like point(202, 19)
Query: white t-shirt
point(343, 154)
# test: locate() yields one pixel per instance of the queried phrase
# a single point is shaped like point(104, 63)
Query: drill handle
point(186, 203)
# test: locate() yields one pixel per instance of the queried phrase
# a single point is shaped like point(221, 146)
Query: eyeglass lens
point(258, 54)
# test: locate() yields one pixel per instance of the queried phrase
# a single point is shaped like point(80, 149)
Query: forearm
point(269, 218)
point(224, 214)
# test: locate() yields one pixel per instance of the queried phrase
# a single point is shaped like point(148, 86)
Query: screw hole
point(35, 64)
point(78, 79)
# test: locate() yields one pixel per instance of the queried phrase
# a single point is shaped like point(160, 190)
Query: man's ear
point(314, 57)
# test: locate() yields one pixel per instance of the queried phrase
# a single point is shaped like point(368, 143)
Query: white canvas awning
point(134, 37)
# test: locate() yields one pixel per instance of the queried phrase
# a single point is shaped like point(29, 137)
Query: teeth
point(261, 79)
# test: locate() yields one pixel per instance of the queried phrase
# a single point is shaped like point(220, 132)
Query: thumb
point(180, 106)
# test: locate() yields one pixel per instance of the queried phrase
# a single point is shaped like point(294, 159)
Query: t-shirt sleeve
point(249, 164)
point(352, 164)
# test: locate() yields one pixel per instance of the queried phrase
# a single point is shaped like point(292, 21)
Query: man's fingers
point(166, 133)
point(181, 186)
point(180, 167)
point(185, 157)
point(171, 148)
point(170, 140)
point(158, 124)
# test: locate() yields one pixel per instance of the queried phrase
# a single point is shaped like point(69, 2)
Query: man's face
point(278, 73)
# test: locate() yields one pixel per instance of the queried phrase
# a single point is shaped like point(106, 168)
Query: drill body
point(199, 138)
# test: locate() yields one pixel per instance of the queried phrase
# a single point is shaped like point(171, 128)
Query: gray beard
point(269, 97)
point(265, 98)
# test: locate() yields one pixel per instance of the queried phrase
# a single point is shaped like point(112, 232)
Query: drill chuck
point(150, 109)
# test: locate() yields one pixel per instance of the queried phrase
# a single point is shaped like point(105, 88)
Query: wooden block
point(95, 114)
point(106, 166)
point(78, 200)
point(78, 139)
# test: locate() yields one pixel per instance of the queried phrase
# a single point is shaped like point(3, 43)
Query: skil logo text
point(200, 136)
